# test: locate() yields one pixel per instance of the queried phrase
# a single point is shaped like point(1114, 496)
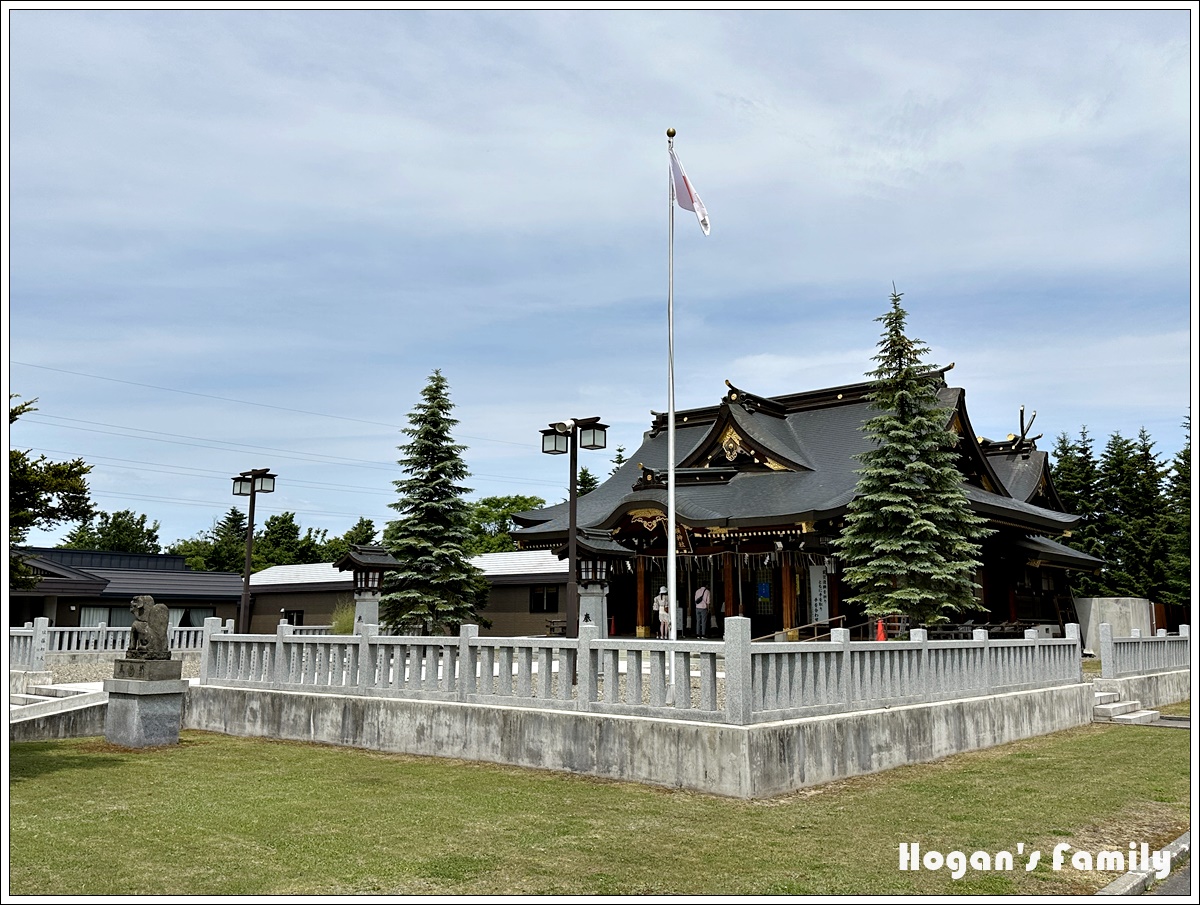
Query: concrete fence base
point(1152, 691)
point(738, 761)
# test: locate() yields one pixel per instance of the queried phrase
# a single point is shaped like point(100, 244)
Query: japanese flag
point(684, 192)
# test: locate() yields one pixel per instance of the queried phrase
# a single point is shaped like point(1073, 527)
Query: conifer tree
point(910, 544)
point(1177, 501)
point(1077, 478)
point(436, 589)
point(586, 482)
point(1130, 494)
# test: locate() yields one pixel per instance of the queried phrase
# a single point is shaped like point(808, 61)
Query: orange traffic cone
point(880, 632)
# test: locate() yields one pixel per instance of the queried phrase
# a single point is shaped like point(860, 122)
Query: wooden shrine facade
point(762, 487)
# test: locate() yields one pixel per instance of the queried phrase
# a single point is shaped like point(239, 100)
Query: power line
point(296, 455)
point(211, 505)
point(281, 408)
point(228, 447)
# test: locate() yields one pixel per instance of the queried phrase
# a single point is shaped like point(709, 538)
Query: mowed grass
point(222, 815)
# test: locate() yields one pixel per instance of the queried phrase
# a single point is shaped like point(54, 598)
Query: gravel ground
point(98, 671)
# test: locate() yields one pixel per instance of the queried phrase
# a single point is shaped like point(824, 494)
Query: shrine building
point(762, 488)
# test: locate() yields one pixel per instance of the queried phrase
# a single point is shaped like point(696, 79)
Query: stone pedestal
point(366, 610)
point(593, 607)
point(145, 703)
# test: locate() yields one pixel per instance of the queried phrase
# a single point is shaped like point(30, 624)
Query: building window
point(543, 598)
point(293, 617)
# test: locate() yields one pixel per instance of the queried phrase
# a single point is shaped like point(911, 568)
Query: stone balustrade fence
point(1138, 656)
point(29, 647)
point(731, 681)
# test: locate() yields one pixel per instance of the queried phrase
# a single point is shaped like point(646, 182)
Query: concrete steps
point(52, 705)
point(21, 700)
point(1109, 707)
point(1137, 716)
point(61, 691)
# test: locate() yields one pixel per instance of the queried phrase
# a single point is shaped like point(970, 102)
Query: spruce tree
point(436, 589)
point(910, 544)
point(1077, 479)
point(586, 482)
point(1177, 503)
point(1131, 484)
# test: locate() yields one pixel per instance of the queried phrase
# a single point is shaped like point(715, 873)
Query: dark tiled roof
point(820, 432)
point(366, 555)
point(1057, 554)
point(128, 583)
point(105, 559)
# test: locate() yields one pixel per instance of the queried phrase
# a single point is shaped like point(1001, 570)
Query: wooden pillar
point(787, 578)
point(834, 580)
point(731, 600)
point(643, 601)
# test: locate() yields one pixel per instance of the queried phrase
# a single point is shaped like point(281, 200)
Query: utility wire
point(281, 408)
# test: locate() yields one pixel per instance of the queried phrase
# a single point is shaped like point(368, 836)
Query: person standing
point(703, 600)
point(663, 604)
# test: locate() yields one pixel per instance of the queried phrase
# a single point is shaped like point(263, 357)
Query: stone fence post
point(846, 672)
point(466, 660)
point(1108, 652)
point(281, 665)
point(212, 626)
point(739, 691)
point(1073, 635)
point(921, 637)
point(585, 673)
point(41, 644)
point(367, 633)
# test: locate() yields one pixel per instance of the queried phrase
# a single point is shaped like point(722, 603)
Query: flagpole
point(671, 582)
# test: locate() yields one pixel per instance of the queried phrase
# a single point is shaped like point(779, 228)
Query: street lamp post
point(250, 483)
point(563, 437)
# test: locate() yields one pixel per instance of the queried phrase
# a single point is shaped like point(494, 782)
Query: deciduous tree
point(124, 531)
point(492, 520)
point(41, 494)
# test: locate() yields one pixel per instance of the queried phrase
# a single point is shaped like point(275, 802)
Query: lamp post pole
point(572, 531)
point(567, 437)
point(250, 483)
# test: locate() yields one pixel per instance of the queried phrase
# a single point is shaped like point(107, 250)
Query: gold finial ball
point(670, 133)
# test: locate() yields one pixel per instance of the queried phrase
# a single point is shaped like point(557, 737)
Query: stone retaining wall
point(739, 761)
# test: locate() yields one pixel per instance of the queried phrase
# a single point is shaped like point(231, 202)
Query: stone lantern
point(368, 562)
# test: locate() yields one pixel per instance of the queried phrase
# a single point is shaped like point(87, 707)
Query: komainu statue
point(148, 639)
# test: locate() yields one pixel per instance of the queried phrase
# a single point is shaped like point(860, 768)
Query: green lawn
point(1182, 708)
point(220, 815)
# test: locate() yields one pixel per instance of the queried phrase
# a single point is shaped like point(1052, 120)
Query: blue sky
point(245, 238)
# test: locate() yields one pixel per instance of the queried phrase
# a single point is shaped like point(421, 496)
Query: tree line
point(1135, 510)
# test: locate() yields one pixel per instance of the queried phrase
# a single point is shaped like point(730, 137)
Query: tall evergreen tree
point(436, 589)
point(1177, 504)
point(586, 482)
point(911, 542)
point(618, 460)
point(1077, 478)
point(1130, 495)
